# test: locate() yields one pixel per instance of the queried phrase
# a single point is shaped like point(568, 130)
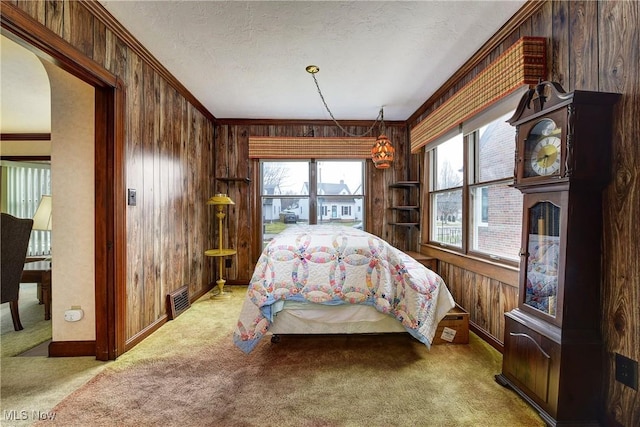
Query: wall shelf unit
point(405, 208)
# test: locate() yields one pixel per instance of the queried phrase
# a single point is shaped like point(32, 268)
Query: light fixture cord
point(379, 118)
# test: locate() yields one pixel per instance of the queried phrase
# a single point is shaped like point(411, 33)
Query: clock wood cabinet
point(552, 341)
point(558, 374)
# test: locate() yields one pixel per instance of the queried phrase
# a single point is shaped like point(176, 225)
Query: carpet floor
point(189, 373)
point(36, 329)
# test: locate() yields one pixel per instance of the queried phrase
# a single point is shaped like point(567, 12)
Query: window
point(26, 183)
point(472, 173)
point(446, 199)
point(496, 218)
point(310, 192)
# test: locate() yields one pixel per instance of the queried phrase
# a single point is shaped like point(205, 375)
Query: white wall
point(72, 176)
point(25, 92)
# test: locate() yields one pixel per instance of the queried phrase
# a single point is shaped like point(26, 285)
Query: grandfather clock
point(552, 341)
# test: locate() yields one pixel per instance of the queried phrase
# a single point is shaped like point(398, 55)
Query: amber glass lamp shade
point(382, 152)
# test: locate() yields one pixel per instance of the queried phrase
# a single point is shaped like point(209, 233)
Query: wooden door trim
point(110, 226)
point(31, 34)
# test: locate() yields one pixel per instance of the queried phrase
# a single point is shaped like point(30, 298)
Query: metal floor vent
point(178, 302)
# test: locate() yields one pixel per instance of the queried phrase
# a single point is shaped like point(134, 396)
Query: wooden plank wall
point(592, 46)
point(232, 139)
point(485, 299)
point(169, 162)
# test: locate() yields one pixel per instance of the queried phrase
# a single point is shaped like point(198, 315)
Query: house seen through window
point(298, 192)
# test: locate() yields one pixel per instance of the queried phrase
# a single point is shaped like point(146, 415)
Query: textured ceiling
point(247, 59)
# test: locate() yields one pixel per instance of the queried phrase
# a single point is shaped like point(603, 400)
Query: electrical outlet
point(73, 315)
point(627, 371)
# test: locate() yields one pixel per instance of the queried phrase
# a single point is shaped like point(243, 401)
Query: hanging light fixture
point(382, 152)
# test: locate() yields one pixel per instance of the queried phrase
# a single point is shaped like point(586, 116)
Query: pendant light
point(382, 152)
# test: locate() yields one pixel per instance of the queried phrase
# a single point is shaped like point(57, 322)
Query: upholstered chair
point(13, 253)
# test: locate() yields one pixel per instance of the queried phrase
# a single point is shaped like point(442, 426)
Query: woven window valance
point(524, 63)
point(264, 147)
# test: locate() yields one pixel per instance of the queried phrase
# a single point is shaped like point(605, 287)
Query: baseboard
point(486, 337)
point(72, 348)
point(137, 338)
point(198, 295)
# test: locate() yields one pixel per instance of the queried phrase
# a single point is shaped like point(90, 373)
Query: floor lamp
point(42, 216)
point(219, 201)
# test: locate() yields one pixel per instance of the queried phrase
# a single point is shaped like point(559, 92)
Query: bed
point(324, 279)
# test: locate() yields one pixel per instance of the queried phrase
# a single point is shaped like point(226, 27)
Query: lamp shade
point(382, 152)
point(220, 199)
point(42, 217)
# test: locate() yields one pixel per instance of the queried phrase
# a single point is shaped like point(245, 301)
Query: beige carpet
point(36, 329)
point(188, 373)
point(31, 386)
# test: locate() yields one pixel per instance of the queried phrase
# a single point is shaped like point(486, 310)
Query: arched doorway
point(108, 176)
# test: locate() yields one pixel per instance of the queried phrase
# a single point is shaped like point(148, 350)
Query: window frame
point(316, 209)
point(470, 183)
point(433, 192)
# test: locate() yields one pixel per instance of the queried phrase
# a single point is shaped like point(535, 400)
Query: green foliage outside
point(274, 227)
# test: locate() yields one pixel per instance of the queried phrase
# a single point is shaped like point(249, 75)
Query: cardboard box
point(453, 328)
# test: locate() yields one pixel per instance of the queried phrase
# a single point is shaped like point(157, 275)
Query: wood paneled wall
point(169, 162)
point(232, 142)
point(486, 299)
point(591, 46)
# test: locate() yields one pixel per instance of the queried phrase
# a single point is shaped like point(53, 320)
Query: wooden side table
point(40, 272)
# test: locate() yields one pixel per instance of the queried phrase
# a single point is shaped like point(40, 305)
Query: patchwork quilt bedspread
point(326, 264)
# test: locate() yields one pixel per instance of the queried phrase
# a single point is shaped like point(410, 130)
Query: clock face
point(543, 149)
point(545, 158)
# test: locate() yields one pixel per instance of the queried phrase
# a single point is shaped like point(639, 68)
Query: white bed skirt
point(301, 318)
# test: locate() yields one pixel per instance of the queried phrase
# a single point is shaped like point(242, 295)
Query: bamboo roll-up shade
point(267, 147)
point(524, 63)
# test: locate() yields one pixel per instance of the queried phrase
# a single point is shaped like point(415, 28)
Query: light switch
point(131, 197)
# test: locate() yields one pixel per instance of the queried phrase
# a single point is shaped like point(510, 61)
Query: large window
point(446, 197)
point(470, 190)
point(310, 192)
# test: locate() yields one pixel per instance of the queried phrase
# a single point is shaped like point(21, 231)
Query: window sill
point(505, 273)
